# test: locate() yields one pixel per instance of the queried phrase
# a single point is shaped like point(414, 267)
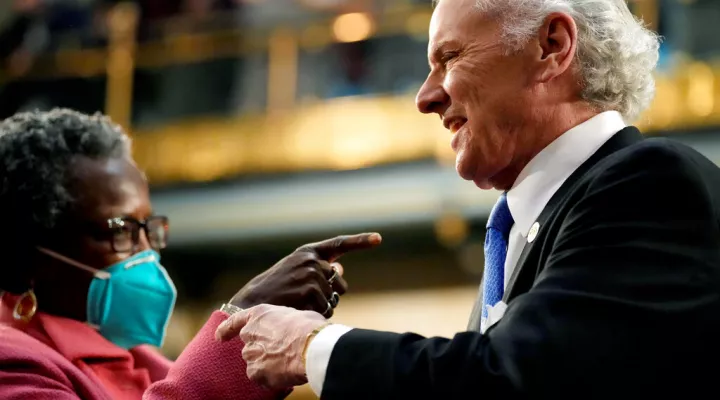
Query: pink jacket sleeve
point(31, 370)
point(208, 369)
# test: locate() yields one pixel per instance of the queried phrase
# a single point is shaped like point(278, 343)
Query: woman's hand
point(308, 278)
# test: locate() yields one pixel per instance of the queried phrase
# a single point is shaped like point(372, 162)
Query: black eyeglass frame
point(156, 229)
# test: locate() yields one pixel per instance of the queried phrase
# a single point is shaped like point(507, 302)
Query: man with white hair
point(602, 264)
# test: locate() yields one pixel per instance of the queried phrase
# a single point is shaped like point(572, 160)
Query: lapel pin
point(532, 234)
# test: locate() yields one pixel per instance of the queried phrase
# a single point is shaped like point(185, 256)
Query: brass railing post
point(123, 22)
point(282, 70)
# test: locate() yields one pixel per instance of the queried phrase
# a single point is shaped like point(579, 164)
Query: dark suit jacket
point(618, 296)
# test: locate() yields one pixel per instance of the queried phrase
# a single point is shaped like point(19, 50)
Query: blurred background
point(266, 124)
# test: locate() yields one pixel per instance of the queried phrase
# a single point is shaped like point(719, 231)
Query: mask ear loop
point(98, 273)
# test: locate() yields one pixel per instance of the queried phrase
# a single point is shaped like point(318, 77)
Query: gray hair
point(36, 153)
point(616, 54)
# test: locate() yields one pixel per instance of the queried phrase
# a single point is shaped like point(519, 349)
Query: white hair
point(616, 54)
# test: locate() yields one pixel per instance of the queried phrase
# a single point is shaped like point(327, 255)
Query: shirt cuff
point(318, 355)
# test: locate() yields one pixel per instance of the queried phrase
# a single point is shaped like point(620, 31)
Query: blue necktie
point(496, 244)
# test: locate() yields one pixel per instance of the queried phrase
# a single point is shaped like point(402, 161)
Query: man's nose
point(432, 98)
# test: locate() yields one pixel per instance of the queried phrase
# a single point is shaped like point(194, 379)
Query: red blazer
point(56, 358)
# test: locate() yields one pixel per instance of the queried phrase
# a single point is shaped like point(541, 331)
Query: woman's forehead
point(104, 189)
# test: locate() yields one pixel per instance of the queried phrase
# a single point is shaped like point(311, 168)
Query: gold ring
point(23, 313)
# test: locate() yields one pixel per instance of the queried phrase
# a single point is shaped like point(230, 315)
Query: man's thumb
point(232, 326)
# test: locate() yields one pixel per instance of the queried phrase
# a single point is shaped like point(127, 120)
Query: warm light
point(358, 141)
point(417, 24)
point(451, 229)
point(282, 70)
point(701, 96)
point(444, 153)
point(352, 27)
point(353, 132)
point(315, 36)
point(664, 109)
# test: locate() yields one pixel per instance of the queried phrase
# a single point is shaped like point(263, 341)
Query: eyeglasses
point(126, 232)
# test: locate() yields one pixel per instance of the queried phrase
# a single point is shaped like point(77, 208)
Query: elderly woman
point(84, 293)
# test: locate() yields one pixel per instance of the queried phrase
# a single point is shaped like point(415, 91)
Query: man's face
point(481, 94)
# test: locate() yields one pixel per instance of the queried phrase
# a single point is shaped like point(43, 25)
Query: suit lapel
point(620, 140)
point(476, 314)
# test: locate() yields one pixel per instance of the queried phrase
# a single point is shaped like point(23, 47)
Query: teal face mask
point(129, 303)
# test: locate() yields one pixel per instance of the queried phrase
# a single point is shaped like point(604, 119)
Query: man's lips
point(453, 124)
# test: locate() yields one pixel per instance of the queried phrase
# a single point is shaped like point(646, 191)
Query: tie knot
point(500, 217)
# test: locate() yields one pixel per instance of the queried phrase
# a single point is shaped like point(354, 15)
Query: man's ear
point(557, 40)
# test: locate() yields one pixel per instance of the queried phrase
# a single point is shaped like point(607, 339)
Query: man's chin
point(470, 174)
point(482, 183)
point(465, 169)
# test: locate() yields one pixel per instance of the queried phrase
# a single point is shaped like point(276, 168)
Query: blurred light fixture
point(451, 229)
point(352, 27)
point(663, 113)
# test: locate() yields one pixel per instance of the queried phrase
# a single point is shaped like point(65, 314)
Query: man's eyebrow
point(437, 49)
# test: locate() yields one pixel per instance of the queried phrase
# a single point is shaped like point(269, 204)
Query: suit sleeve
point(208, 369)
point(628, 295)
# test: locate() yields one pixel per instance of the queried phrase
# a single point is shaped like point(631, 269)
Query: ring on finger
point(329, 309)
point(334, 299)
point(334, 276)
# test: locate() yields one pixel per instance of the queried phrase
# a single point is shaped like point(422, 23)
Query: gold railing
point(335, 134)
point(123, 55)
point(356, 132)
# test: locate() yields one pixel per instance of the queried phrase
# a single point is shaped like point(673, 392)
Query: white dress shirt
point(531, 192)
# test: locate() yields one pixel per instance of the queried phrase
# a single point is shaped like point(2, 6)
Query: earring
point(22, 311)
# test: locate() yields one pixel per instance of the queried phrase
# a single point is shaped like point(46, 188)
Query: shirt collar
point(549, 169)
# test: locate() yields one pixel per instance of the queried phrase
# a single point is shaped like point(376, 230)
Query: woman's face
point(105, 190)
point(102, 190)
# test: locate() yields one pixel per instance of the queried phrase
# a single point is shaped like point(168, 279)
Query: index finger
point(232, 326)
point(331, 249)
